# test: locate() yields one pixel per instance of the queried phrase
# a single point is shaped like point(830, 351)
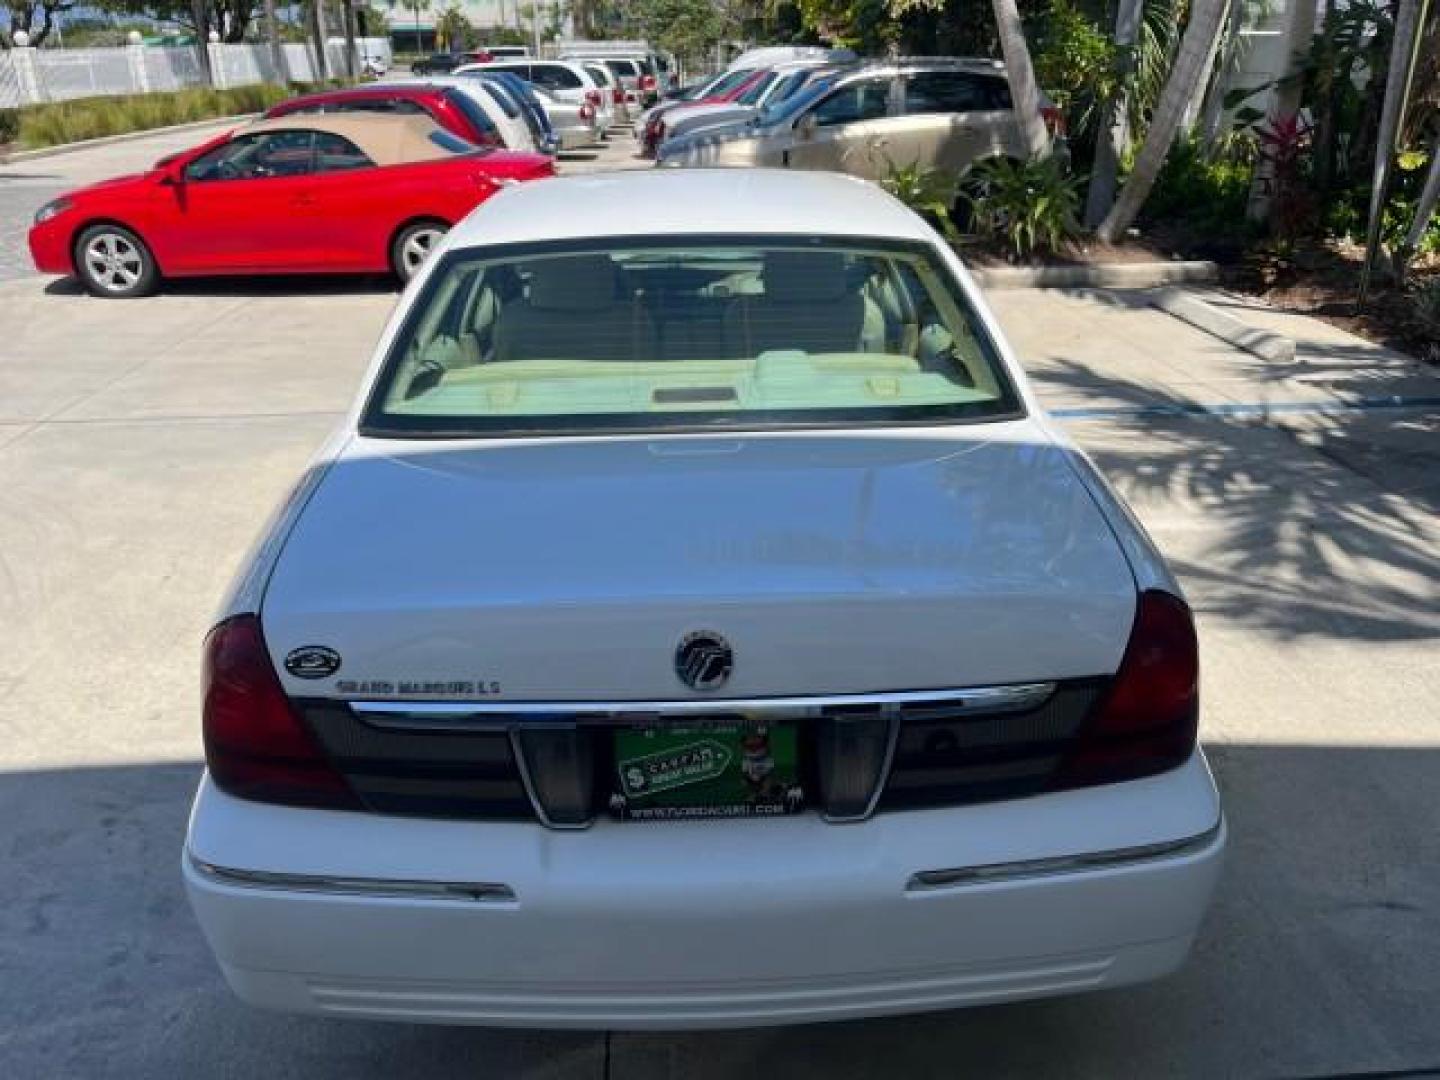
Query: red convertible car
point(313, 194)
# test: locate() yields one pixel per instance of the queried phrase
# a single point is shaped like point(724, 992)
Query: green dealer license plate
point(730, 769)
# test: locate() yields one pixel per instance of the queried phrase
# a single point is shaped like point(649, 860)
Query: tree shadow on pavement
point(1304, 525)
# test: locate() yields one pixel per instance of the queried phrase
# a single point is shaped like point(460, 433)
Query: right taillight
point(256, 747)
point(618, 96)
point(1146, 721)
point(593, 97)
point(647, 82)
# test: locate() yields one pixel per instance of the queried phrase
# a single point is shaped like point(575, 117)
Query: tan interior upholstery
point(574, 311)
point(809, 304)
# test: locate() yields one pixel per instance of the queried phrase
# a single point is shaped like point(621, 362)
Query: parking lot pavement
point(142, 443)
point(619, 151)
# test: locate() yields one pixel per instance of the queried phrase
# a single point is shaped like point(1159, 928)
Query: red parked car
point(312, 194)
point(448, 107)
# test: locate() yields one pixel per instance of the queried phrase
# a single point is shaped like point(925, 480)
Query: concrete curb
point(109, 140)
point(1189, 308)
point(1147, 275)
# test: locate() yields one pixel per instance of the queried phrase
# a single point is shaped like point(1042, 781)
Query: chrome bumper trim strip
point(481, 892)
point(928, 880)
point(499, 715)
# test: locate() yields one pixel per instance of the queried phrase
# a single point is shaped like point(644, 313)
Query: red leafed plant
point(1285, 159)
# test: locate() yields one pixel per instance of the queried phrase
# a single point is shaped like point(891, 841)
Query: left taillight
point(593, 97)
point(1054, 120)
point(256, 746)
point(1146, 722)
point(587, 112)
point(618, 95)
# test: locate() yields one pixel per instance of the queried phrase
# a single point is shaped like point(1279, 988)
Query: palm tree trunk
point(1397, 86)
point(1206, 18)
point(1191, 116)
point(321, 32)
point(272, 33)
point(201, 16)
point(1110, 147)
point(1212, 113)
point(1326, 107)
point(1024, 94)
point(347, 14)
point(1424, 211)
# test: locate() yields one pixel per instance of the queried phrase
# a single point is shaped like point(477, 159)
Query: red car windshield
point(717, 90)
point(734, 92)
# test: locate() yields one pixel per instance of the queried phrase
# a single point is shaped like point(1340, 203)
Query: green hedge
point(54, 124)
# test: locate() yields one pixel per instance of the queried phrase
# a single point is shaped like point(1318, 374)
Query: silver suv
point(939, 113)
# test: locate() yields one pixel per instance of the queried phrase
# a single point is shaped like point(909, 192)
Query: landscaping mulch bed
point(1323, 281)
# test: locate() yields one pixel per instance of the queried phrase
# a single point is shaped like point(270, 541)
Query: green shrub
point(1209, 194)
point(1027, 206)
point(92, 118)
point(9, 125)
point(1075, 63)
point(1347, 217)
point(929, 192)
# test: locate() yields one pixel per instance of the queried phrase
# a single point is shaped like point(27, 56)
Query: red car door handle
point(303, 200)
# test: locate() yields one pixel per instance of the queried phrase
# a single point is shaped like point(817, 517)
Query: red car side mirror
point(172, 173)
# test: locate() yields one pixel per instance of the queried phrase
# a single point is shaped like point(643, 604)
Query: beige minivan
point(938, 113)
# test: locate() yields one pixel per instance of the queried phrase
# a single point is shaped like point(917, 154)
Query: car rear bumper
point(573, 138)
point(703, 924)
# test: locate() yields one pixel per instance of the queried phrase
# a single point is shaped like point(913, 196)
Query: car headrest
point(805, 276)
point(572, 283)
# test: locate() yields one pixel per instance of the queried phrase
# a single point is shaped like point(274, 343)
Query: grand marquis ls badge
point(703, 660)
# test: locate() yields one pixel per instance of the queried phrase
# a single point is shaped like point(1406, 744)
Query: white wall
point(35, 75)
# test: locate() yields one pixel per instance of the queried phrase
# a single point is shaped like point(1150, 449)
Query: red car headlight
point(51, 210)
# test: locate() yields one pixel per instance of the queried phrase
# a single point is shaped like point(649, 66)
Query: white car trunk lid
point(572, 569)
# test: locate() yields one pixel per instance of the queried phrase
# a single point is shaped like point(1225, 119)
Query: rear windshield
point(501, 98)
point(479, 120)
point(785, 108)
point(709, 333)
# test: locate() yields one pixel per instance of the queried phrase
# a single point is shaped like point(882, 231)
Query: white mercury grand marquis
point(698, 622)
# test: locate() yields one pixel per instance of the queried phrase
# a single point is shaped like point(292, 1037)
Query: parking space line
point(1243, 409)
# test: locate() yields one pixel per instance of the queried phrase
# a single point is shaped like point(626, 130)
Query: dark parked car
point(438, 64)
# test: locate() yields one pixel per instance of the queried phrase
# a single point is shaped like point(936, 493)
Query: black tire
point(111, 261)
point(412, 246)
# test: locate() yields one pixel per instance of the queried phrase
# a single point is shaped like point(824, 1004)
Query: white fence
point(34, 75)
